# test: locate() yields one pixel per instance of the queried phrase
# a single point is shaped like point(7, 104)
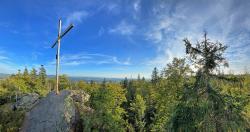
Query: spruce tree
point(204, 107)
point(154, 76)
point(138, 78)
point(25, 73)
point(125, 83)
point(33, 74)
point(170, 90)
point(138, 107)
point(42, 75)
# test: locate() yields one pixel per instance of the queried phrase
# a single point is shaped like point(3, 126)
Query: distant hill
point(87, 79)
point(97, 79)
point(3, 75)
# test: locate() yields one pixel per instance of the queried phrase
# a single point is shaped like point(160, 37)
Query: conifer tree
point(154, 76)
point(203, 106)
point(169, 92)
point(138, 78)
point(25, 73)
point(64, 82)
point(33, 74)
point(106, 101)
point(18, 75)
point(42, 75)
point(138, 107)
point(125, 83)
point(143, 79)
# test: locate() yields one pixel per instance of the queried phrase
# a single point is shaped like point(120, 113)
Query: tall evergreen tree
point(138, 78)
point(106, 102)
point(169, 92)
point(154, 76)
point(25, 73)
point(33, 74)
point(204, 107)
point(18, 75)
point(138, 107)
point(125, 83)
point(42, 75)
point(92, 83)
point(143, 78)
point(64, 82)
point(104, 82)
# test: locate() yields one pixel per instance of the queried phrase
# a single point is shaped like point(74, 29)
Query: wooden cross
point(60, 35)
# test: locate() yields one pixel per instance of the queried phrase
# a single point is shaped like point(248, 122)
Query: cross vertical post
point(58, 41)
point(58, 56)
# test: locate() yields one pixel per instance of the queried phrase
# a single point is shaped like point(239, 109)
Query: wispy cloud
point(88, 58)
point(101, 31)
point(4, 25)
point(112, 7)
point(76, 17)
point(137, 5)
point(123, 28)
point(35, 55)
point(137, 8)
point(225, 21)
point(5, 65)
point(3, 57)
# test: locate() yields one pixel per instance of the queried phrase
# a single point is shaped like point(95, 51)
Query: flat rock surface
point(54, 113)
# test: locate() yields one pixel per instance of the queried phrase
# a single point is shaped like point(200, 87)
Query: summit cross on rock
point(60, 35)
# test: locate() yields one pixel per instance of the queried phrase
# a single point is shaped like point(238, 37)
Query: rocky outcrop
point(79, 96)
point(55, 113)
point(27, 101)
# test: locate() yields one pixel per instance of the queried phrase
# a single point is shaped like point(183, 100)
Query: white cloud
point(137, 5)
point(225, 21)
point(88, 58)
point(137, 9)
point(158, 28)
point(123, 28)
point(75, 17)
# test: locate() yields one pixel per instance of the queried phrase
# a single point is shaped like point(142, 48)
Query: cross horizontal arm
point(65, 32)
point(54, 43)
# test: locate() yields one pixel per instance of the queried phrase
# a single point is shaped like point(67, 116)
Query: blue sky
point(118, 38)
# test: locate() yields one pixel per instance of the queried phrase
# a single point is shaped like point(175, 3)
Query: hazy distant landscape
point(73, 78)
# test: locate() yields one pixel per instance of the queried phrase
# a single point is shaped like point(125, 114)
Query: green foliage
point(19, 84)
point(108, 114)
point(207, 107)
point(170, 89)
point(64, 82)
point(10, 121)
point(138, 107)
point(42, 75)
point(155, 77)
point(88, 87)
